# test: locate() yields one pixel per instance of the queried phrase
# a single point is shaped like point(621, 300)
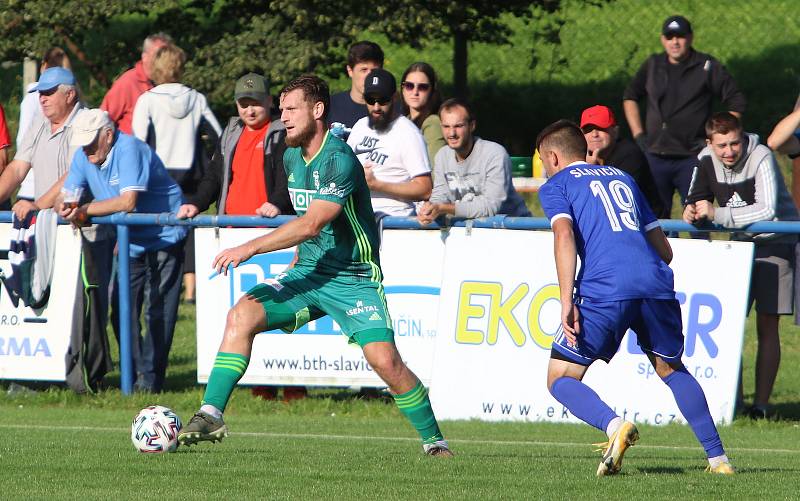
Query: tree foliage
point(225, 38)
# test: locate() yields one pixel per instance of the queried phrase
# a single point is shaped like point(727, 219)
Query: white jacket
point(175, 111)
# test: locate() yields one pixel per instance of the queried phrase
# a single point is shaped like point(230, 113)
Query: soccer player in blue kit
point(599, 214)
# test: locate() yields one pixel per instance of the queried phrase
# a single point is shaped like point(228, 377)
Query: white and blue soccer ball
point(155, 430)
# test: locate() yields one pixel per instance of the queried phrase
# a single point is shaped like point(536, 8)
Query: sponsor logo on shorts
point(361, 308)
point(375, 316)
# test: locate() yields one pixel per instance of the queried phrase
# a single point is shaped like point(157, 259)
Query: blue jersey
point(609, 218)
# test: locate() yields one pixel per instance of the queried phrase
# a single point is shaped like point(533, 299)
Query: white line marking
point(404, 439)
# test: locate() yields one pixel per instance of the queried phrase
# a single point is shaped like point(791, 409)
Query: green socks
point(227, 371)
point(416, 406)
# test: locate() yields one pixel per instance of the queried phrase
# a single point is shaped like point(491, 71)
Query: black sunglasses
point(409, 86)
point(374, 99)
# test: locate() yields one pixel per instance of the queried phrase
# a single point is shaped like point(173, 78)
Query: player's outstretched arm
point(659, 242)
point(566, 263)
point(305, 227)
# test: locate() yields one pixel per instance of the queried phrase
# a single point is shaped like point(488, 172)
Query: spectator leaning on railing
point(246, 175)
point(743, 178)
point(472, 176)
point(46, 148)
point(391, 149)
point(679, 86)
point(125, 175)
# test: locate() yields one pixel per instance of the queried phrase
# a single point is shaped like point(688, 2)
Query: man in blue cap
point(48, 150)
point(45, 147)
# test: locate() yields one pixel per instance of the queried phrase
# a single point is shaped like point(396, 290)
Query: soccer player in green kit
point(337, 271)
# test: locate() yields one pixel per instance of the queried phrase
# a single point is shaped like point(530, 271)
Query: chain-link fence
point(586, 54)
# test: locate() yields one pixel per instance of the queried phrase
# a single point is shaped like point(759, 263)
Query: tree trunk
point(460, 62)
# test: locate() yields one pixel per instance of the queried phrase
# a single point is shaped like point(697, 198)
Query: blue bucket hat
point(52, 78)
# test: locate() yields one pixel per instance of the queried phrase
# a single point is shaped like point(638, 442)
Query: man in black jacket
point(246, 175)
point(679, 85)
point(606, 147)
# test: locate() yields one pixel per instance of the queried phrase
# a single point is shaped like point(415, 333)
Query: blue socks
point(583, 402)
point(693, 405)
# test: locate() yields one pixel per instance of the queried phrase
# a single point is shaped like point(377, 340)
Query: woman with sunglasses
point(421, 100)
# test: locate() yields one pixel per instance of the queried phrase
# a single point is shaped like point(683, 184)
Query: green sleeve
point(432, 132)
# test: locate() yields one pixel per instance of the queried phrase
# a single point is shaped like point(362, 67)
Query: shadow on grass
point(662, 470)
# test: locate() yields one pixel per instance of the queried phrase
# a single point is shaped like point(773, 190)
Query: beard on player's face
point(302, 135)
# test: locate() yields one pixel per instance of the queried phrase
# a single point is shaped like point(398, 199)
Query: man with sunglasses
point(679, 85)
point(391, 149)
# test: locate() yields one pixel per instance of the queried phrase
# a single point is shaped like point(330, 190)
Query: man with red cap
point(607, 147)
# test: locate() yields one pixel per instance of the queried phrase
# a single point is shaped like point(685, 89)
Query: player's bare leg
point(409, 394)
point(564, 380)
point(692, 403)
point(244, 321)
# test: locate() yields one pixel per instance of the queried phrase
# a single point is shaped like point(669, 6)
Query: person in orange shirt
point(125, 91)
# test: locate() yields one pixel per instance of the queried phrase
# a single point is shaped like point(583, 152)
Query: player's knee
point(664, 368)
point(241, 322)
point(387, 363)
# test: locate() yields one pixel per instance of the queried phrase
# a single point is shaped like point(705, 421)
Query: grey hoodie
point(752, 190)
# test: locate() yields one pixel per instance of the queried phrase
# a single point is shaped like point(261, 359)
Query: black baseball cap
point(676, 25)
point(380, 83)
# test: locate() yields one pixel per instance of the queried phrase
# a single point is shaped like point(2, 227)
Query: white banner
point(499, 310)
point(33, 343)
point(318, 354)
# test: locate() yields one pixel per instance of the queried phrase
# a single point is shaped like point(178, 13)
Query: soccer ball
point(155, 430)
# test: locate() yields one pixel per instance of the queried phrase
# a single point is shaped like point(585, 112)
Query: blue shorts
point(656, 322)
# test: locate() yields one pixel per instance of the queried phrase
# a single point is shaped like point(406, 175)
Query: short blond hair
point(168, 65)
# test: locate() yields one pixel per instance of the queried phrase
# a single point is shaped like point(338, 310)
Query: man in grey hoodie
point(472, 177)
point(743, 178)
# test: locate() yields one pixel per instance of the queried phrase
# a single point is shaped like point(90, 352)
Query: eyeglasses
point(409, 86)
point(374, 99)
point(673, 36)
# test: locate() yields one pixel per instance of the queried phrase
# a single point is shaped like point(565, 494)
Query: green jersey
point(348, 245)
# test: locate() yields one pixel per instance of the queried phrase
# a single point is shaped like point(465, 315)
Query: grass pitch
point(332, 445)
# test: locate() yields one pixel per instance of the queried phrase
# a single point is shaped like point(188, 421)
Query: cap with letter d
point(380, 83)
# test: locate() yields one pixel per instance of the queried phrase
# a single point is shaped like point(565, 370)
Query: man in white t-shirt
point(391, 149)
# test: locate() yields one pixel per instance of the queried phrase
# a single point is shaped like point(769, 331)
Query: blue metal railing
point(123, 220)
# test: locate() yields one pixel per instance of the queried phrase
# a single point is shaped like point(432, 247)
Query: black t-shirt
point(628, 157)
point(345, 110)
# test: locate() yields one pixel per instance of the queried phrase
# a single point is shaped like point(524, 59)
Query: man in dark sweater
point(607, 147)
point(679, 86)
point(348, 107)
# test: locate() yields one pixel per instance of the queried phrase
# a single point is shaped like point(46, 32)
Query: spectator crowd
point(154, 145)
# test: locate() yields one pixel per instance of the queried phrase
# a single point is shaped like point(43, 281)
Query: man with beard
point(337, 271)
point(391, 149)
point(473, 175)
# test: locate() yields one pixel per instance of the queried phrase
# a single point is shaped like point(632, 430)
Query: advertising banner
point(499, 311)
point(33, 343)
point(318, 353)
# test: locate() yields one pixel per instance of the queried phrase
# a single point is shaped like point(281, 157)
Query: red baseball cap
point(599, 116)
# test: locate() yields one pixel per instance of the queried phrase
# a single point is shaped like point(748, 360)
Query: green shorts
point(295, 298)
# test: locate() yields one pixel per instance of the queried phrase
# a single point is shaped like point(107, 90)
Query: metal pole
point(124, 284)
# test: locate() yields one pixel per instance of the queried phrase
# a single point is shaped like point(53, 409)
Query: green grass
point(56, 444)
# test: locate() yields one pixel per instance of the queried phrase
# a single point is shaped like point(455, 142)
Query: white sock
point(613, 426)
point(716, 460)
point(210, 409)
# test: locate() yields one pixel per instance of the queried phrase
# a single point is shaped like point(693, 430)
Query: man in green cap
point(246, 175)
